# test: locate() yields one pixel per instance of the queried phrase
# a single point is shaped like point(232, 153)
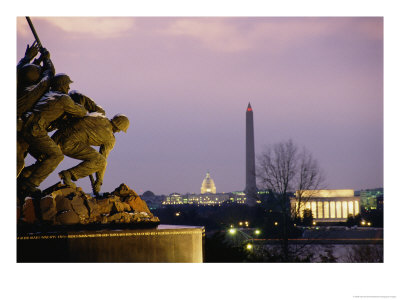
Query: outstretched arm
point(73, 108)
point(30, 53)
point(87, 102)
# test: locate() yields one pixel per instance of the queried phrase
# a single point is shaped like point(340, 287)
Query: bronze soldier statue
point(67, 120)
point(75, 141)
point(45, 113)
point(33, 81)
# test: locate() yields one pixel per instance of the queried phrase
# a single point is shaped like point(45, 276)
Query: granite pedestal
point(166, 243)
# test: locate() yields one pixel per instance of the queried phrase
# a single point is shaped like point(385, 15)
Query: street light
point(232, 231)
point(276, 223)
point(249, 246)
point(257, 232)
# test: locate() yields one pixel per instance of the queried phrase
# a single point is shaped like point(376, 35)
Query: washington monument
point(251, 187)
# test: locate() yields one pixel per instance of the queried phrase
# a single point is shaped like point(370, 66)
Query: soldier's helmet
point(29, 73)
point(61, 79)
point(121, 122)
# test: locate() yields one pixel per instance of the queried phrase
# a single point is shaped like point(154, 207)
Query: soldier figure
point(33, 82)
point(76, 141)
point(51, 107)
point(68, 120)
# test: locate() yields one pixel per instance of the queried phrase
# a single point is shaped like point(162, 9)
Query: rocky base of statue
point(63, 206)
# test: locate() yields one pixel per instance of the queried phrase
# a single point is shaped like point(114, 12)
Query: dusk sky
point(185, 84)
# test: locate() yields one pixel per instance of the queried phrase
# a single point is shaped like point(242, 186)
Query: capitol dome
point(208, 185)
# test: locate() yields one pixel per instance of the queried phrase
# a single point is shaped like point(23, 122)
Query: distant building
point(205, 199)
point(208, 185)
point(238, 197)
point(173, 199)
point(208, 196)
point(328, 205)
point(368, 198)
point(208, 199)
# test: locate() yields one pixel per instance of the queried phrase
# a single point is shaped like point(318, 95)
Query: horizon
point(234, 191)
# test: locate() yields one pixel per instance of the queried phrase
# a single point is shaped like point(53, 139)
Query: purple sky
point(185, 84)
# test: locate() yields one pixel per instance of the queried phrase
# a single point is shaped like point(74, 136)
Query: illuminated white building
point(196, 199)
point(328, 205)
point(238, 197)
point(208, 185)
point(208, 196)
point(173, 199)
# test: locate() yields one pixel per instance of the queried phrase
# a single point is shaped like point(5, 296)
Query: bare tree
point(309, 179)
point(283, 168)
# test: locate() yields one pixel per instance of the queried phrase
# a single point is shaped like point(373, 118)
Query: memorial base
point(166, 243)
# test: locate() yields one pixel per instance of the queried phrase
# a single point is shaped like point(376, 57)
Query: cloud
point(22, 27)
point(224, 35)
point(97, 27)
point(214, 33)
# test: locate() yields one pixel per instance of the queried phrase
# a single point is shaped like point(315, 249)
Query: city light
point(257, 232)
point(177, 214)
point(276, 223)
point(369, 224)
point(314, 223)
point(249, 246)
point(232, 231)
point(240, 223)
point(362, 223)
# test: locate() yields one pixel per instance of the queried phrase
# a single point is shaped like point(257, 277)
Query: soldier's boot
point(66, 178)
